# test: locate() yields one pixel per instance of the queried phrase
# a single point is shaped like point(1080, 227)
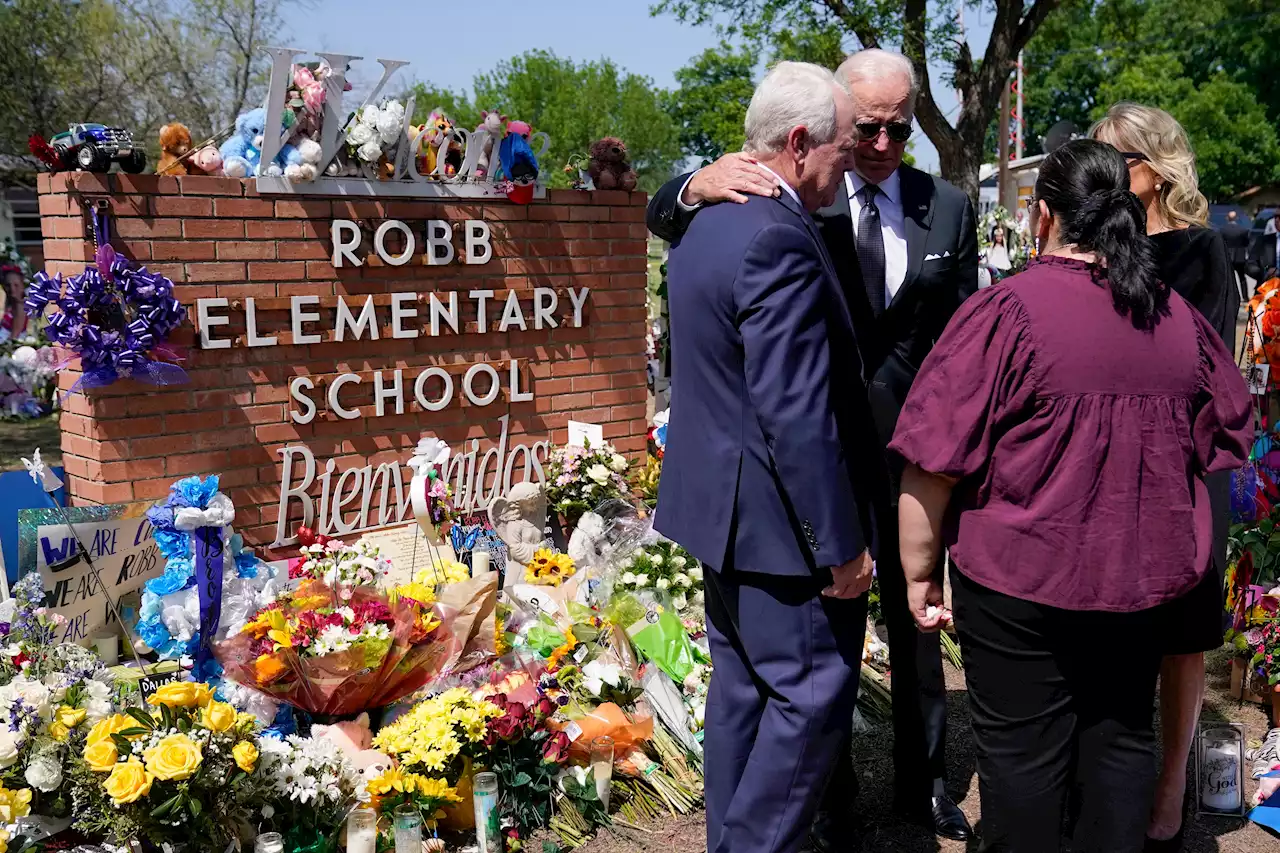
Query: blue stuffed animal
point(242, 153)
point(515, 155)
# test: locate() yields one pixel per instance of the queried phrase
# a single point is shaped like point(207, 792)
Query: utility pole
point(1022, 118)
point(1002, 168)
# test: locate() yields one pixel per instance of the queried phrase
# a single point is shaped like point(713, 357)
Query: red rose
point(507, 728)
point(306, 536)
point(545, 707)
point(557, 748)
point(517, 710)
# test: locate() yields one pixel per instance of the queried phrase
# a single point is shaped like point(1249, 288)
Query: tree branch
point(928, 113)
point(860, 24)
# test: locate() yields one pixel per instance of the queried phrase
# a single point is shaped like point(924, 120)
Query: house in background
point(20, 207)
point(1022, 174)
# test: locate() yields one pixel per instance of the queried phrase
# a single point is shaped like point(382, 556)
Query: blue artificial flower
point(161, 516)
point(173, 544)
point(247, 564)
point(153, 632)
point(179, 574)
point(197, 492)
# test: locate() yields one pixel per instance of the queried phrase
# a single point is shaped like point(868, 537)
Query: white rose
point(663, 583)
point(683, 580)
point(642, 580)
point(44, 774)
point(357, 136)
point(8, 748)
point(599, 473)
point(695, 572)
point(657, 559)
point(618, 462)
point(597, 674)
point(370, 152)
point(679, 562)
point(369, 116)
point(680, 602)
point(639, 552)
point(629, 578)
point(34, 694)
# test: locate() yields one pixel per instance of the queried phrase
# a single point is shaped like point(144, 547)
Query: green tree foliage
point(1207, 64)
point(711, 104)
point(575, 104)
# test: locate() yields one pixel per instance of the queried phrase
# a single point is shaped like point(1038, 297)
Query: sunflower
point(549, 568)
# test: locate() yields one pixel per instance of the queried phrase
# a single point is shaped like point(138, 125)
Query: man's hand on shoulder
point(852, 579)
point(731, 178)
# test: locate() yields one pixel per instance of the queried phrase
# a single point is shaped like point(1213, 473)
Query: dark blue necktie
point(871, 248)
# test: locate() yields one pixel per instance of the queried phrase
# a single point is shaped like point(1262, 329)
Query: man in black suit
point(1236, 238)
point(905, 248)
point(1262, 256)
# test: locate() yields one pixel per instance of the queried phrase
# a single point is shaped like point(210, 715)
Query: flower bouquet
point(579, 478)
point(182, 771)
point(311, 786)
point(395, 789)
point(663, 565)
point(339, 649)
point(50, 694)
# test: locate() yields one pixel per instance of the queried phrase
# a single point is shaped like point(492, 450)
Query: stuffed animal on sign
point(438, 128)
point(207, 160)
point(175, 143)
point(518, 161)
point(491, 122)
point(609, 169)
point(354, 738)
point(242, 152)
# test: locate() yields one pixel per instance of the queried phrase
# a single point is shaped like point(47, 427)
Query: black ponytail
point(1086, 186)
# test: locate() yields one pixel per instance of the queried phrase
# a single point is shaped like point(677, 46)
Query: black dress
point(1193, 261)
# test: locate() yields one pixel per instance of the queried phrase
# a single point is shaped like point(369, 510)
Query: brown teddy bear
point(175, 143)
point(608, 167)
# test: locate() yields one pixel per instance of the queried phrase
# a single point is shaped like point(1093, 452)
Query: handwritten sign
point(149, 684)
point(409, 551)
point(118, 539)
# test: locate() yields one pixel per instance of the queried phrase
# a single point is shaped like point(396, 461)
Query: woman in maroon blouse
point(1056, 440)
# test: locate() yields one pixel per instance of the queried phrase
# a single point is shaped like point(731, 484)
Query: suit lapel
point(812, 226)
point(917, 210)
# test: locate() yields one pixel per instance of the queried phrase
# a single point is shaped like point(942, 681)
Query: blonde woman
point(1193, 262)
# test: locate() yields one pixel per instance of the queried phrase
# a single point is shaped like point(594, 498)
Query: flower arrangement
point(527, 755)
point(26, 382)
point(665, 566)
point(547, 568)
point(311, 786)
point(183, 768)
point(430, 455)
point(50, 693)
point(169, 616)
point(1016, 243)
point(428, 795)
point(116, 319)
point(340, 565)
point(581, 477)
point(339, 649)
point(439, 733)
point(376, 131)
point(647, 479)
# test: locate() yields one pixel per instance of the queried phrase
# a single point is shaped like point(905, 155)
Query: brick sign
point(328, 335)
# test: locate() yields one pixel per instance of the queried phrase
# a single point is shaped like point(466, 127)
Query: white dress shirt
point(893, 227)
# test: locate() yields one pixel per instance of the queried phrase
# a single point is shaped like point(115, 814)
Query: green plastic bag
point(656, 632)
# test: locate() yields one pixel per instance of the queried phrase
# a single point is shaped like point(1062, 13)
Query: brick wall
point(218, 237)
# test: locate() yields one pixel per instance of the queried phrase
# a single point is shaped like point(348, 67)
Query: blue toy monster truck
point(94, 147)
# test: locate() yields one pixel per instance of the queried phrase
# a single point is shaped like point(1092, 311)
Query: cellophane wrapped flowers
point(182, 769)
point(663, 565)
point(579, 478)
point(439, 733)
point(311, 787)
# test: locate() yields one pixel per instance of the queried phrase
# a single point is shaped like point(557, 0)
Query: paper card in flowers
point(115, 318)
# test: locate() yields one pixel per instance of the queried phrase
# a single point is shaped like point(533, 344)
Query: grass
point(19, 439)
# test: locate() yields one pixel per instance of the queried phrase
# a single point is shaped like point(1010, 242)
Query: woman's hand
point(924, 599)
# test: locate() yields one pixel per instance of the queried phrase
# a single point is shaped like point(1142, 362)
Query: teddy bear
point(242, 152)
point(491, 122)
point(354, 738)
point(608, 167)
point(175, 143)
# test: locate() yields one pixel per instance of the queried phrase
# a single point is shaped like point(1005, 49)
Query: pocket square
point(934, 257)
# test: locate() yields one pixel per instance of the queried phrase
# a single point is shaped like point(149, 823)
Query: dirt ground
point(879, 831)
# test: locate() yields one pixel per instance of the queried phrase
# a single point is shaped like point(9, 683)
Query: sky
point(450, 54)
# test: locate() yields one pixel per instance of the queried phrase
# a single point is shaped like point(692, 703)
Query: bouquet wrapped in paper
point(338, 644)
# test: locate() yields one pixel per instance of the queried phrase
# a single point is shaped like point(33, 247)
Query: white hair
point(790, 95)
point(874, 64)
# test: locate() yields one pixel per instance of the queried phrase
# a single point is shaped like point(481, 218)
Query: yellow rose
point(128, 782)
point(4, 841)
point(58, 731)
point(174, 758)
point(101, 756)
point(245, 754)
point(179, 694)
point(218, 716)
point(105, 728)
point(70, 717)
point(14, 804)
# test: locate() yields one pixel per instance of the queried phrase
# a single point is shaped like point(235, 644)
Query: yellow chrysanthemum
point(437, 789)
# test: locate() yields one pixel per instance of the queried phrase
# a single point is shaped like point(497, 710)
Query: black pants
point(1059, 698)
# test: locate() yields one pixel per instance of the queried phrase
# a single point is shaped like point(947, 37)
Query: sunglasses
point(1131, 156)
point(898, 131)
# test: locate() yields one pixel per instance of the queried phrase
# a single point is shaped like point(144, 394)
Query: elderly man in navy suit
point(773, 475)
